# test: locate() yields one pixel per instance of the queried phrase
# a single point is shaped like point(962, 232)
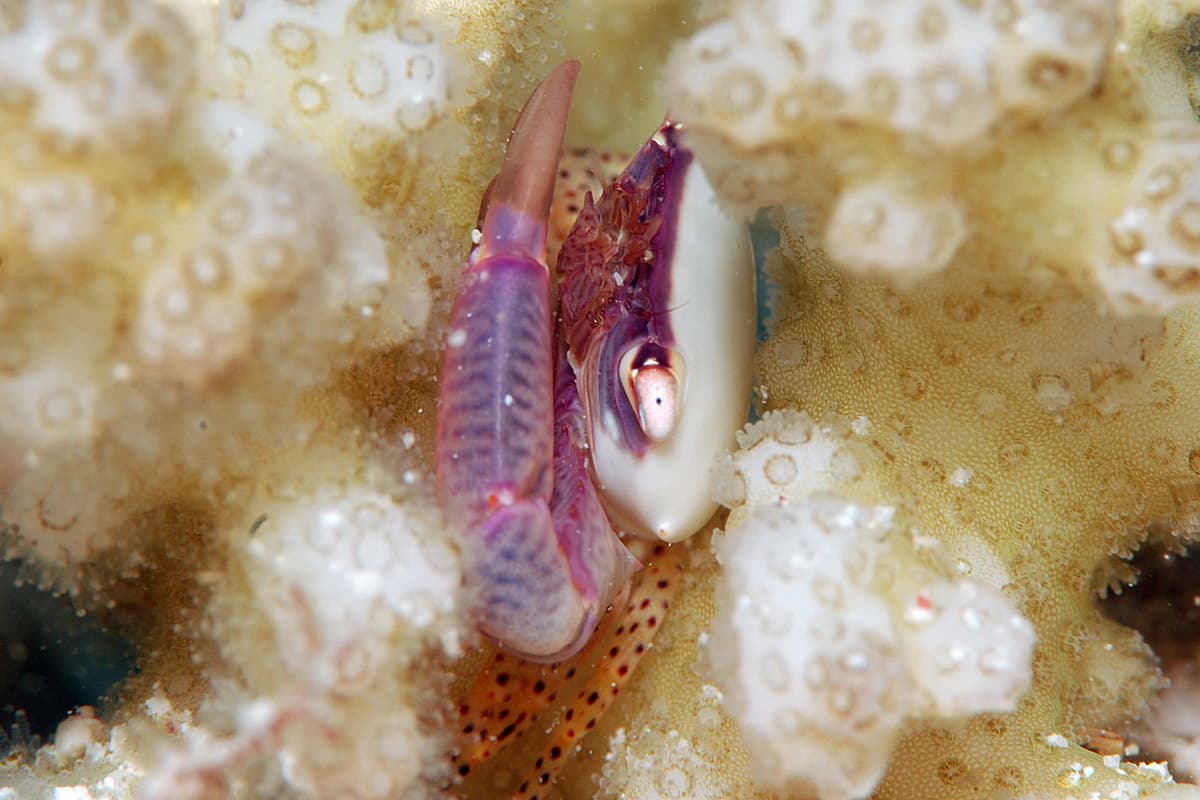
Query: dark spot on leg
point(464, 769)
point(593, 697)
point(555, 752)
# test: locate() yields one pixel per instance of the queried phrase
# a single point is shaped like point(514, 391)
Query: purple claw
point(518, 200)
point(541, 556)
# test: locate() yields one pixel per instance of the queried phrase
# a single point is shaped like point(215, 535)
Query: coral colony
point(230, 236)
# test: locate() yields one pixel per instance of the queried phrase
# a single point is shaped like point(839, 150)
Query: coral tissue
point(229, 233)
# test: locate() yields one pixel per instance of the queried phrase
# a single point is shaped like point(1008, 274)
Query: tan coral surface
point(229, 234)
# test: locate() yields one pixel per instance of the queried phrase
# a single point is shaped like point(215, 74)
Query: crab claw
point(540, 555)
point(517, 202)
point(656, 286)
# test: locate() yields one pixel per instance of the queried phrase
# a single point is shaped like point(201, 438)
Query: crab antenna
point(519, 197)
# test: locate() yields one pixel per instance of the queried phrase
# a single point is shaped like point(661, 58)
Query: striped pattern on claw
point(541, 558)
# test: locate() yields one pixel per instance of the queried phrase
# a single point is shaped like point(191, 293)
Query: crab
point(561, 437)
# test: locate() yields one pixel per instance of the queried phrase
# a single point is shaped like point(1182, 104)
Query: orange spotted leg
point(510, 692)
point(644, 612)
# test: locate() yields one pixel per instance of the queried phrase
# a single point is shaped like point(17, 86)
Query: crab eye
point(652, 389)
point(654, 399)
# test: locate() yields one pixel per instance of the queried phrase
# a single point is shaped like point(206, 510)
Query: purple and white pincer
point(550, 431)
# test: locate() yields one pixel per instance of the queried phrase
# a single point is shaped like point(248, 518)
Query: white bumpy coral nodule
point(94, 74)
point(821, 663)
point(885, 225)
point(832, 631)
point(341, 68)
point(967, 648)
point(805, 651)
point(901, 128)
point(344, 577)
point(1149, 252)
point(941, 71)
point(651, 765)
point(354, 594)
point(945, 73)
point(276, 239)
point(265, 272)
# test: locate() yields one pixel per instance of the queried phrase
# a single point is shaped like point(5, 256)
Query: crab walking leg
point(643, 613)
point(537, 575)
point(510, 694)
point(503, 702)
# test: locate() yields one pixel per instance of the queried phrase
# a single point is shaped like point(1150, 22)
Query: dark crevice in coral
point(1164, 604)
point(52, 660)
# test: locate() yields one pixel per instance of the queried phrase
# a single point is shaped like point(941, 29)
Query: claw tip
point(519, 198)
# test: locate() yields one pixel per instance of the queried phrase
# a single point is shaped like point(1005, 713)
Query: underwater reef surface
point(229, 236)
